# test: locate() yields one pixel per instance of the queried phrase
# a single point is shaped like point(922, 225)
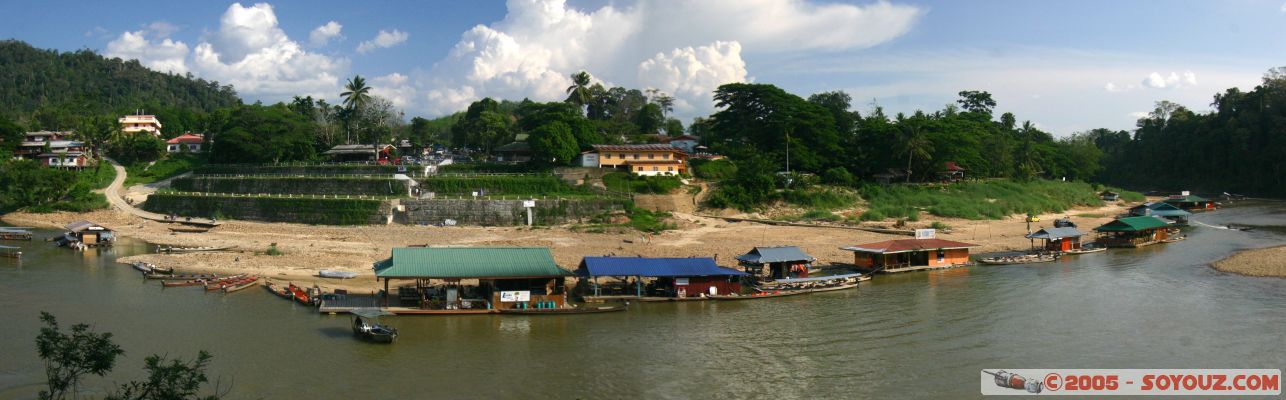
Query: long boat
point(280, 291)
point(221, 284)
point(300, 295)
point(202, 282)
point(1084, 250)
point(562, 311)
point(10, 251)
point(183, 277)
point(1013, 260)
point(14, 234)
point(1175, 239)
point(248, 282)
point(146, 267)
point(817, 283)
point(762, 295)
point(188, 229)
point(834, 288)
point(330, 273)
point(172, 249)
point(659, 299)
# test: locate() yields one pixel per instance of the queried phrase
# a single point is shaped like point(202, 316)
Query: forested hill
point(46, 86)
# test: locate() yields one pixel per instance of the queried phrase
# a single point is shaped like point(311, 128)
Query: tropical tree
point(913, 142)
point(97, 132)
point(666, 102)
point(579, 93)
point(355, 96)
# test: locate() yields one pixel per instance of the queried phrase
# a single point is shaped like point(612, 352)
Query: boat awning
point(80, 226)
point(469, 263)
point(1055, 233)
point(768, 255)
point(654, 267)
point(816, 278)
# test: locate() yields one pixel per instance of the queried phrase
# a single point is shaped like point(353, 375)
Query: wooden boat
point(248, 282)
point(221, 284)
point(1085, 250)
point(761, 295)
point(280, 291)
point(202, 282)
point(172, 249)
point(181, 277)
point(658, 299)
point(10, 252)
point(834, 288)
point(188, 229)
point(1013, 260)
point(1175, 239)
point(145, 268)
point(300, 295)
point(817, 283)
point(562, 311)
point(366, 325)
point(330, 273)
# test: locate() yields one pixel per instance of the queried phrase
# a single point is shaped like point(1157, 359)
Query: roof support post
point(638, 285)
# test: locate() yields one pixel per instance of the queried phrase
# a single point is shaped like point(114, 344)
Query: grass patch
point(273, 251)
point(97, 177)
point(1090, 215)
point(827, 199)
point(165, 168)
point(630, 183)
point(713, 170)
point(535, 185)
point(981, 200)
point(939, 225)
point(650, 221)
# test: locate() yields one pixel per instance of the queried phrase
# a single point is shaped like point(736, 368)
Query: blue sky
point(1067, 66)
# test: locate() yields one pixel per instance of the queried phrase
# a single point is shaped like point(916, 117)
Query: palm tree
point(913, 143)
point(578, 93)
point(355, 99)
point(666, 102)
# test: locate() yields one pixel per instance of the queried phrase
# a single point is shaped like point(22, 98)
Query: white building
point(185, 143)
point(141, 123)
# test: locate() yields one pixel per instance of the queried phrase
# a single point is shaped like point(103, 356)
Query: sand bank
point(1270, 261)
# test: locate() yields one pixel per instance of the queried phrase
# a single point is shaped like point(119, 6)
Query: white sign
point(680, 281)
point(515, 296)
point(926, 233)
point(529, 203)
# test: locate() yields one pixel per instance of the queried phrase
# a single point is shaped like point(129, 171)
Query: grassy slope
point(992, 199)
point(167, 167)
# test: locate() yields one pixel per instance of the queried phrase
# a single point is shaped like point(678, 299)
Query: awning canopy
point(908, 245)
point(653, 267)
point(1055, 233)
point(469, 263)
point(768, 255)
point(1133, 224)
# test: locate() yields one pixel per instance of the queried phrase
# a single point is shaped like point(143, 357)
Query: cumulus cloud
point(1137, 115)
point(323, 34)
point(162, 29)
point(683, 48)
point(249, 51)
point(1173, 81)
point(383, 40)
point(394, 87)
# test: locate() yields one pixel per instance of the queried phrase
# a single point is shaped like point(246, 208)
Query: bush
point(650, 221)
point(165, 168)
point(822, 215)
point(821, 199)
point(838, 176)
point(630, 183)
point(136, 148)
point(714, 170)
point(983, 200)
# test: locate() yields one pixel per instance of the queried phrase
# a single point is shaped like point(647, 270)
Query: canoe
point(562, 311)
point(833, 288)
point(300, 295)
point(656, 299)
point(278, 290)
point(330, 273)
point(220, 284)
point(1014, 260)
point(183, 277)
point(202, 282)
point(248, 282)
point(766, 295)
point(172, 249)
point(1085, 251)
point(1175, 239)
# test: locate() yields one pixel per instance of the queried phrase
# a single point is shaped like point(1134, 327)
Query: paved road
point(113, 193)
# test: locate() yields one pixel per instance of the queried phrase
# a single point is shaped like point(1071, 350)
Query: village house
point(1188, 202)
point(687, 143)
point(53, 149)
point(1168, 211)
point(140, 124)
point(776, 262)
point(639, 159)
point(1133, 232)
point(951, 172)
point(472, 280)
point(185, 143)
point(1057, 239)
point(513, 152)
point(668, 278)
point(924, 252)
point(89, 234)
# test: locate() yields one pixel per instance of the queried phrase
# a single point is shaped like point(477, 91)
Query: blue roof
point(767, 255)
point(639, 266)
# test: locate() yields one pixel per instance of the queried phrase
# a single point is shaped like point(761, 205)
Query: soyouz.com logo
point(1127, 382)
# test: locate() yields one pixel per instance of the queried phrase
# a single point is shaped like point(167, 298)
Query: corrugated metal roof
point(636, 147)
point(640, 266)
point(1132, 224)
point(1186, 199)
point(469, 263)
point(905, 245)
point(765, 255)
point(83, 225)
point(1159, 209)
point(1055, 233)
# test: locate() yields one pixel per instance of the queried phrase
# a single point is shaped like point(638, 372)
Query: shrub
point(650, 221)
point(838, 176)
point(714, 170)
point(630, 183)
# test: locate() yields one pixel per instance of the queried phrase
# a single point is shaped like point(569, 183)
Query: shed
point(673, 277)
point(781, 262)
point(902, 255)
point(1190, 202)
point(1133, 231)
point(1162, 209)
point(90, 234)
point(507, 277)
point(1058, 238)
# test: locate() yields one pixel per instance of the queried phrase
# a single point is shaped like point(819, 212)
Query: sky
point(1066, 66)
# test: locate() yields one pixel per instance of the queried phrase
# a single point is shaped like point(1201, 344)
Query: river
point(921, 335)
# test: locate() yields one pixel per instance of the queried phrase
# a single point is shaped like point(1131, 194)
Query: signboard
point(926, 233)
point(528, 203)
point(680, 281)
point(515, 296)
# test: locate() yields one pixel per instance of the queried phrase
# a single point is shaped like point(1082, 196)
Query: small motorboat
point(300, 295)
point(245, 283)
point(1085, 249)
point(280, 291)
point(562, 311)
point(366, 325)
point(202, 282)
point(1175, 239)
point(173, 249)
point(1023, 259)
point(189, 229)
point(221, 284)
point(146, 267)
point(330, 273)
point(182, 277)
point(759, 295)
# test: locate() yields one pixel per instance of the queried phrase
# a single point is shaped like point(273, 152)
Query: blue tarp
point(655, 267)
point(816, 278)
point(768, 255)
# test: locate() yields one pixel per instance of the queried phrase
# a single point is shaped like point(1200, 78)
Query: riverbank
point(1265, 262)
point(307, 249)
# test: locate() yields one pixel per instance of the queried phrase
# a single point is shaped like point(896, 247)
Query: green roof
point(1186, 199)
point(469, 263)
point(1133, 224)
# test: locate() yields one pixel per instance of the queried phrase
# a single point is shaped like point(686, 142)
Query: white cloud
point(1173, 81)
point(248, 51)
point(1137, 115)
point(394, 87)
point(383, 40)
point(691, 73)
point(1283, 7)
point(162, 29)
point(323, 34)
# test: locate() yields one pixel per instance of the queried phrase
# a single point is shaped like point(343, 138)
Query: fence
point(280, 196)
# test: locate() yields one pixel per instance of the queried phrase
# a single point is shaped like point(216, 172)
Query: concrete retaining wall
point(293, 185)
point(272, 209)
point(504, 212)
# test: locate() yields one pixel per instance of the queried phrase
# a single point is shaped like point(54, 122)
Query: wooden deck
point(921, 268)
point(348, 303)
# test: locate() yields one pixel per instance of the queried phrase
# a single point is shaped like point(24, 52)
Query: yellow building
point(141, 123)
point(642, 159)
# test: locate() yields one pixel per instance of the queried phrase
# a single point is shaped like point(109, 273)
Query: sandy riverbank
point(1269, 261)
point(311, 248)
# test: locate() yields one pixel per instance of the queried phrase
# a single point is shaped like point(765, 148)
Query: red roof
point(636, 147)
point(951, 166)
point(904, 245)
point(186, 138)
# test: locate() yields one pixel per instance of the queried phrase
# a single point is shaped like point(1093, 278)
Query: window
point(636, 156)
point(671, 168)
point(651, 156)
point(942, 255)
point(667, 156)
point(654, 168)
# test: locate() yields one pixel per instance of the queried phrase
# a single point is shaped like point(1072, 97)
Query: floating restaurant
point(1189, 202)
point(1164, 210)
point(903, 255)
point(88, 234)
point(672, 279)
point(776, 262)
point(1133, 232)
point(1060, 239)
point(472, 280)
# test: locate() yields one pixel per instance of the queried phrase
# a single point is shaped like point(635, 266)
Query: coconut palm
point(578, 93)
point(357, 93)
point(913, 142)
